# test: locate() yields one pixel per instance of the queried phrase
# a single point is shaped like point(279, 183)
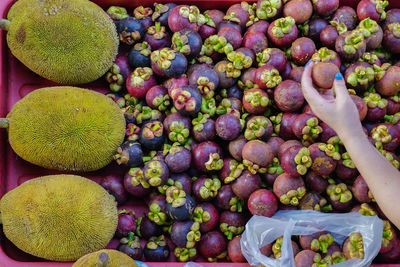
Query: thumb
point(339, 87)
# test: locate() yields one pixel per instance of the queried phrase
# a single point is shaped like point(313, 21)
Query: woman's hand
point(339, 111)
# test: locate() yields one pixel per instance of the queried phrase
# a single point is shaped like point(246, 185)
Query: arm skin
point(341, 114)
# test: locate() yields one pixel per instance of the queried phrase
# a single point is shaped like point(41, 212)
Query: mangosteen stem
point(5, 24)
point(4, 123)
point(102, 260)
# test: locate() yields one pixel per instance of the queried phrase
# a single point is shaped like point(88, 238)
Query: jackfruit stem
point(4, 123)
point(5, 24)
point(102, 260)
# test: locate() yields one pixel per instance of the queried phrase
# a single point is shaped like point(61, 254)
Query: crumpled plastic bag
point(261, 231)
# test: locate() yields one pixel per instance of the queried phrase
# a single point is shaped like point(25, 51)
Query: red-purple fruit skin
point(346, 15)
point(304, 258)
point(233, 36)
point(196, 189)
point(300, 10)
point(284, 183)
point(212, 244)
point(326, 8)
point(288, 144)
point(277, 59)
point(392, 16)
point(207, 134)
point(126, 224)
point(361, 106)
point(236, 219)
point(138, 190)
point(240, 13)
point(305, 240)
point(225, 194)
point(262, 203)
point(322, 163)
point(339, 47)
point(246, 184)
point(259, 26)
point(287, 161)
point(228, 127)
point(344, 172)
point(214, 214)
point(284, 41)
point(114, 185)
point(389, 85)
point(392, 107)
point(201, 154)
point(393, 255)
point(177, 22)
point(327, 132)
point(299, 123)
point(316, 182)
point(256, 41)
point(360, 190)
point(296, 74)
point(235, 147)
point(328, 36)
point(275, 142)
point(367, 9)
point(235, 251)
point(302, 50)
point(288, 96)
point(285, 131)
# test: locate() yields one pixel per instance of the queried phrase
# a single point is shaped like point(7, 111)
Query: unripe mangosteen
point(213, 246)
point(289, 189)
point(262, 203)
point(207, 156)
point(156, 249)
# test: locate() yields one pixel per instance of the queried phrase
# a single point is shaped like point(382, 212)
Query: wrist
point(350, 134)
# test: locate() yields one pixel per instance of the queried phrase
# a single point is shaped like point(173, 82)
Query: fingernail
point(338, 76)
point(308, 63)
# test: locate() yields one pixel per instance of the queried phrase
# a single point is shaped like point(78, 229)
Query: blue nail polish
point(338, 76)
point(308, 63)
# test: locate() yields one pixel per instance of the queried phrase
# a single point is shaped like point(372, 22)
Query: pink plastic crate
point(16, 81)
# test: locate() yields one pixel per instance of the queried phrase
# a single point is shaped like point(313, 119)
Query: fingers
point(340, 87)
point(309, 92)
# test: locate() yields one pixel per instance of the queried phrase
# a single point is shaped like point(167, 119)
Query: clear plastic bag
point(261, 231)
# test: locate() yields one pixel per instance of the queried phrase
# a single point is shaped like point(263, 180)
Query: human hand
point(338, 111)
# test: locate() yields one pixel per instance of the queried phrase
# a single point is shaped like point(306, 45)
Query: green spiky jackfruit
point(66, 41)
point(59, 217)
point(113, 258)
point(65, 128)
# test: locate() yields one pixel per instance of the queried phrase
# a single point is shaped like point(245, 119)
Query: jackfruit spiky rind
point(59, 217)
point(66, 41)
point(66, 128)
point(116, 259)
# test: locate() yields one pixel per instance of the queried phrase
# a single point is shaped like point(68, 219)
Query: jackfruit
point(65, 128)
point(106, 258)
point(65, 41)
point(59, 217)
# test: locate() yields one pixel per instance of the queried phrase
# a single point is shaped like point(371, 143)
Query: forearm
point(372, 165)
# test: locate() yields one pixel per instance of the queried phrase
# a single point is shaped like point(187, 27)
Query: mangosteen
point(146, 228)
point(178, 159)
point(288, 96)
point(157, 210)
point(156, 249)
point(140, 81)
point(206, 215)
point(262, 203)
point(180, 206)
point(207, 156)
point(130, 245)
point(353, 246)
point(283, 31)
point(289, 189)
point(340, 196)
point(206, 80)
point(135, 183)
point(114, 185)
point(299, 10)
point(168, 63)
point(129, 153)
point(230, 170)
point(302, 50)
point(351, 45)
point(258, 127)
point(235, 251)
point(130, 30)
point(187, 100)
point(185, 234)
point(151, 135)
point(314, 201)
point(267, 77)
point(156, 172)
point(346, 15)
point(257, 155)
point(126, 223)
point(162, 12)
point(187, 42)
point(139, 55)
point(157, 37)
point(227, 200)
point(228, 127)
point(185, 17)
point(203, 128)
point(231, 223)
point(212, 246)
point(177, 127)
point(205, 188)
point(255, 40)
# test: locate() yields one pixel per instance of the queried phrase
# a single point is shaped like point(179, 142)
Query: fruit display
point(204, 124)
